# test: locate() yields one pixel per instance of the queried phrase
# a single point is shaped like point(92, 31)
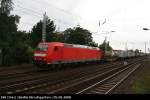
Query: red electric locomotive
point(53, 53)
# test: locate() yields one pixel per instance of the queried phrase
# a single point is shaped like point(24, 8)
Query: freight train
point(57, 53)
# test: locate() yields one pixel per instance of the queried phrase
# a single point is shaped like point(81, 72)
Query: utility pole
point(44, 28)
point(126, 46)
point(145, 42)
point(105, 44)
point(148, 50)
point(145, 47)
point(106, 36)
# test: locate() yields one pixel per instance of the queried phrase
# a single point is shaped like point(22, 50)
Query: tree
point(8, 27)
point(137, 51)
point(36, 33)
point(105, 46)
point(78, 35)
point(6, 6)
point(20, 50)
point(93, 44)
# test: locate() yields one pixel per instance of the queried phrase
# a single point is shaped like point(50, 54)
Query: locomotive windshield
point(42, 47)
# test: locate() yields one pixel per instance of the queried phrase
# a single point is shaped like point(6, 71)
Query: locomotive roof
point(70, 45)
point(80, 46)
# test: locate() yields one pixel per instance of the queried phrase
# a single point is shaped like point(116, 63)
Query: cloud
point(126, 17)
point(58, 10)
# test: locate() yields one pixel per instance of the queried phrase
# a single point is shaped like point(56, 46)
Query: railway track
point(110, 83)
point(25, 66)
point(56, 84)
point(6, 73)
point(98, 84)
point(17, 74)
point(41, 79)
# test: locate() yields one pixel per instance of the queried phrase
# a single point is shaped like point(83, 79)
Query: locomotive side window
point(56, 49)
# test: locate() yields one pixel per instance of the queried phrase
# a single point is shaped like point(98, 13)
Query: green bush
point(19, 55)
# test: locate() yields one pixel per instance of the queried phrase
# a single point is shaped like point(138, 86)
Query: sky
point(126, 18)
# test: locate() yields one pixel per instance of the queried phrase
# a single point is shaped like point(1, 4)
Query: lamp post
point(101, 24)
point(106, 40)
point(146, 29)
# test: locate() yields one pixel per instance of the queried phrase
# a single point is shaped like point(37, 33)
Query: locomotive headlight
point(39, 55)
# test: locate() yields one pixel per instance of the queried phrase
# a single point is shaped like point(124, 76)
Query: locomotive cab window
point(42, 47)
point(55, 49)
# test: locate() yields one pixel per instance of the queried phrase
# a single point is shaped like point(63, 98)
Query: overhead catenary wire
point(50, 5)
point(56, 8)
point(20, 5)
point(23, 26)
point(28, 13)
point(33, 12)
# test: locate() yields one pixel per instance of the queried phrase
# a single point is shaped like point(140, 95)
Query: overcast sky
point(125, 17)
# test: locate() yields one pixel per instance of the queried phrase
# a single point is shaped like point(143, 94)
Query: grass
point(142, 83)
